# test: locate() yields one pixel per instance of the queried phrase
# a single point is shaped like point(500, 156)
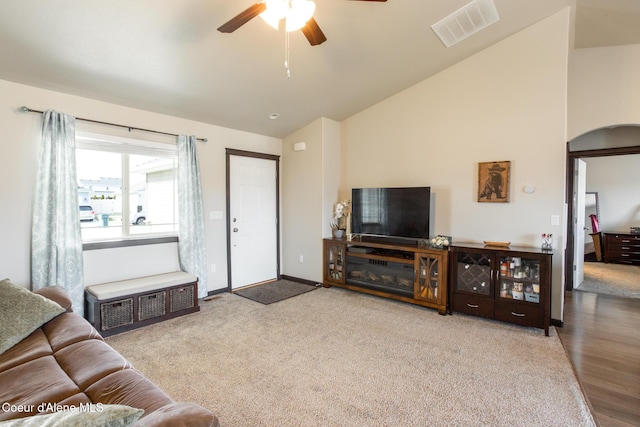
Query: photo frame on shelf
point(493, 181)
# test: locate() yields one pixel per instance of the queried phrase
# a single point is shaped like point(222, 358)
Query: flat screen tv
point(393, 212)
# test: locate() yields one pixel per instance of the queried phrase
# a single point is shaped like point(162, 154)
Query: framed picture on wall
point(493, 181)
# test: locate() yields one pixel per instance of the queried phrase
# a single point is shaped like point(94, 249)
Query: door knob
point(235, 230)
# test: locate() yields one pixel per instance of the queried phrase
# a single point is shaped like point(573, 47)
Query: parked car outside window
point(87, 213)
point(138, 218)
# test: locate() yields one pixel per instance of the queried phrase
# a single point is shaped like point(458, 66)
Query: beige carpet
point(611, 279)
point(339, 358)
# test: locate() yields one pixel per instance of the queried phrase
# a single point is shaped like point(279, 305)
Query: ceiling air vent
point(466, 21)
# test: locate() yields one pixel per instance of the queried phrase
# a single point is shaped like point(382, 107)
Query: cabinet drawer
point(151, 305)
point(114, 314)
point(624, 250)
point(622, 254)
point(520, 314)
point(622, 239)
point(183, 297)
point(472, 304)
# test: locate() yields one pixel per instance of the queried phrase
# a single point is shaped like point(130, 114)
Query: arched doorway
point(610, 141)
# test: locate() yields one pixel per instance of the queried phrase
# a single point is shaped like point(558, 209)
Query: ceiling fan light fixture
point(296, 13)
point(276, 11)
point(299, 13)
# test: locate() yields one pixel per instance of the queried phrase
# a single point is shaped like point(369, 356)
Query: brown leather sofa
point(66, 362)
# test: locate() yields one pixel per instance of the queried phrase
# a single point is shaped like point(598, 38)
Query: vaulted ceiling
point(166, 56)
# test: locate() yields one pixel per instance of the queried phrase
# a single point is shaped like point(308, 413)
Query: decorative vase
point(547, 242)
point(338, 234)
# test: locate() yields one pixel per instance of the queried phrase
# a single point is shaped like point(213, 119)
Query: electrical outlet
point(301, 258)
point(213, 268)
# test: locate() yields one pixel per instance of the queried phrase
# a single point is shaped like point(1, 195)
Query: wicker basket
point(116, 313)
point(182, 297)
point(151, 305)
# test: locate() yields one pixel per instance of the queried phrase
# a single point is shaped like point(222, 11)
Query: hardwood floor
point(601, 336)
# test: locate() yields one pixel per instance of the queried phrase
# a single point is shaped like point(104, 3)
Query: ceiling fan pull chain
point(286, 54)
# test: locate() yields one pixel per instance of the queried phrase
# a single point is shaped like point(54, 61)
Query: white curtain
point(191, 241)
point(56, 243)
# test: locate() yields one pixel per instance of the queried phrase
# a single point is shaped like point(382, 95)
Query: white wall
point(615, 178)
point(505, 103)
point(310, 180)
point(19, 149)
point(131, 261)
point(331, 170)
point(604, 88)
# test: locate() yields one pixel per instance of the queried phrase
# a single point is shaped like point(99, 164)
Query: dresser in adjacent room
point(622, 248)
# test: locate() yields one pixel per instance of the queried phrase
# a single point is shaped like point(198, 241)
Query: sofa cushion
point(56, 294)
point(88, 361)
point(32, 347)
point(32, 383)
point(21, 313)
point(98, 415)
point(121, 288)
point(128, 387)
point(76, 400)
point(67, 329)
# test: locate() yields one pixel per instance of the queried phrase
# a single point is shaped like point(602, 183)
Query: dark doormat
point(274, 291)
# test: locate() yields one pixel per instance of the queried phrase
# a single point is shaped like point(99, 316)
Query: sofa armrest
point(181, 414)
point(56, 294)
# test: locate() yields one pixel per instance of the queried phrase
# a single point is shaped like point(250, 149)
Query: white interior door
point(252, 220)
point(579, 191)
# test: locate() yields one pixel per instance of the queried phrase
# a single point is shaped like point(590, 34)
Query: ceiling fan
point(298, 15)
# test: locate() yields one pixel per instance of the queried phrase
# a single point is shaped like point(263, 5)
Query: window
point(128, 184)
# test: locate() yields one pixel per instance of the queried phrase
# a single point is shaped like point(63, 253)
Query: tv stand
point(405, 272)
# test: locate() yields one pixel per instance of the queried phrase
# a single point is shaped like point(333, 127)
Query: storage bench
point(128, 304)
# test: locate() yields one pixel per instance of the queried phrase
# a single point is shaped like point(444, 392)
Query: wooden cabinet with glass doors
point(508, 284)
point(403, 272)
point(334, 255)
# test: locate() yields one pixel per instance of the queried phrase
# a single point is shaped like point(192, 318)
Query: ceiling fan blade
point(313, 33)
point(242, 18)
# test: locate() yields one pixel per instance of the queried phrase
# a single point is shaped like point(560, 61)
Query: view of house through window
point(126, 189)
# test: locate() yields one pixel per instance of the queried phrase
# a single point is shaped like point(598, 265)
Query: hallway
point(601, 336)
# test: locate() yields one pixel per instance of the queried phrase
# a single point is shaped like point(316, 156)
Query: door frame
point(571, 172)
point(577, 219)
point(241, 153)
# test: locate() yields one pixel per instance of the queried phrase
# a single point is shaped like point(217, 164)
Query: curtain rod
point(31, 110)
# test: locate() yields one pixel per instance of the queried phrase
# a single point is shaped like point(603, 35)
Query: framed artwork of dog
point(493, 182)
